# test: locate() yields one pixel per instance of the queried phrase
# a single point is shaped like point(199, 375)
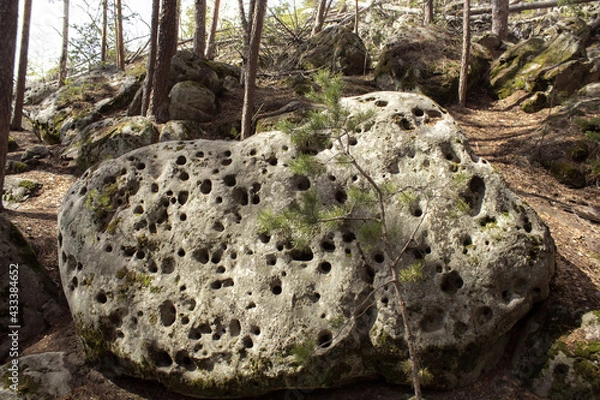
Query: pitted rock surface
point(169, 278)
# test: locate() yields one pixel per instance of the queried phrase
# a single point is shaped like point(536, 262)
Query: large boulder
point(186, 66)
point(426, 59)
point(29, 303)
point(336, 48)
point(170, 277)
point(192, 101)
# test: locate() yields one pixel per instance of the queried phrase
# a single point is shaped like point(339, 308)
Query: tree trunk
point(104, 45)
point(200, 30)
point(166, 49)
point(17, 118)
point(150, 66)
point(464, 62)
point(9, 17)
point(62, 74)
point(428, 12)
point(210, 48)
point(320, 17)
point(243, 20)
point(356, 14)
point(119, 34)
point(500, 18)
point(251, 68)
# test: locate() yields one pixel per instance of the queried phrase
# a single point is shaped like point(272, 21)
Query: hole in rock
point(301, 182)
point(235, 328)
point(206, 186)
point(226, 162)
point(199, 154)
point(216, 285)
point(229, 180)
point(451, 282)
point(218, 226)
point(101, 298)
point(404, 123)
point(218, 200)
point(352, 141)
point(304, 254)
point(250, 305)
point(181, 252)
point(108, 248)
point(475, 194)
point(381, 103)
point(152, 267)
point(348, 237)
point(255, 330)
point(216, 257)
point(182, 198)
point(228, 282)
point(432, 320)
point(240, 196)
point(220, 269)
point(417, 112)
point(484, 314)
point(379, 258)
point(324, 339)
point(271, 259)
point(168, 265)
point(272, 160)
point(247, 342)
point(161, 358)
point(328, 246)
point(341, 196)
point(324, 267)
point(206, 364)
point(168, 313)
point(184, 176)
point(181, 160)
point(138, 210)
point(183, 359)
point(367, 274)
point(276, 288)
point(182, 217)
point(140, 254)
point(527, 224)
point(264, 238)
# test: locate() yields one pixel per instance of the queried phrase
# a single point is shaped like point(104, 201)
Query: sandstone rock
point(109, 139)
point(12, 144)
point(186, 66)
point(16, 167)
point(573, 367)
point(169, 276)
point(427, 60)
point(534, 64)
point(180, 130)
point(36, 290)
point(535, 103)
point(338, 49)
point(42, 376)
point(17, 190)
point(35, 153)
point(190, 100)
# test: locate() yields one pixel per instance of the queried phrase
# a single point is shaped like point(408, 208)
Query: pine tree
point(17, 118)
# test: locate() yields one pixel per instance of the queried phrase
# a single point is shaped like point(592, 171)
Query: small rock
point(17, 190)
point(35, 153)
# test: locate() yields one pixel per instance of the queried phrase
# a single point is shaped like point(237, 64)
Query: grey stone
point(180, 130)
point(426, 59)
point(186, 66)
point(169, 276)
point(35, 153)
point(36, 289)
point(190, 100)
point(17, 190)
point(42, 376)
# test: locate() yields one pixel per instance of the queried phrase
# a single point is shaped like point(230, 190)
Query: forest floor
point(497, 130)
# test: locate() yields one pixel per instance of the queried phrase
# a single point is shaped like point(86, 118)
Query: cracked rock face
point(169, 278)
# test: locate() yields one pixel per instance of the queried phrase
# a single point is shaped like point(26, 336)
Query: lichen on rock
point(169, 276)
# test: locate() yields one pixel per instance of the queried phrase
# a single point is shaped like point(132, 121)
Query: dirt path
point(497, 131)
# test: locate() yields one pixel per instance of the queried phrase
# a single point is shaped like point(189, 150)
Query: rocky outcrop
point(110, 138)
point(192, 101)
point(573, 367)
point(186, 66)
point(17, 190)
point(550, 67)
point(180, 130)
point(36, 295)
point(337, 49)
point(170, 277)
point(426, 59)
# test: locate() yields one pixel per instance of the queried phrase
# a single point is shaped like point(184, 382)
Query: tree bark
point(166, 49)
point(251, 68)
point(464, 63)
point(428, 12)
point(17, 118)
point(356, 14)
point(119, 35)
point(104, 44)
point(150, 66)
point(62, 74)
point(200, 30)
point(320, 17)
point(210, 48)
point(9, 17)
point(500, 18)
